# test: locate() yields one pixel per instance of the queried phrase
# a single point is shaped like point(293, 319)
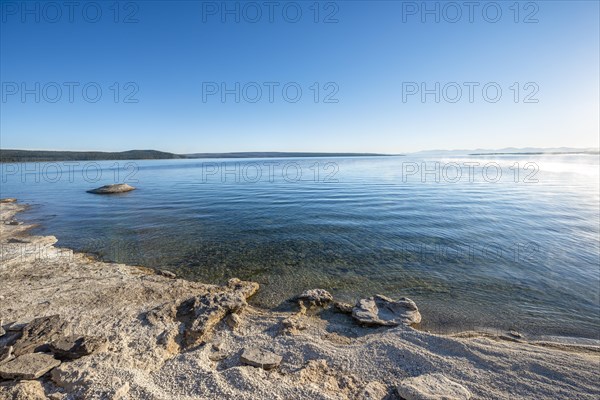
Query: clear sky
point(162, 66)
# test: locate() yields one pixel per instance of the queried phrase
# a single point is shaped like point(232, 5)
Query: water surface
point(518, 250)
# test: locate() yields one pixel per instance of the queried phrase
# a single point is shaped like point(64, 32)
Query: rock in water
point(432, 387)
point(74, 347)
point(317, 297)
point(260, 358)
point(13, 222)
point(28, 366)
point(381, 310)
point(110, 189)
point(8, 200)
point(167, 274)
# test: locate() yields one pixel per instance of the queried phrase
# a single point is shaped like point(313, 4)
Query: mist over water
point(506, 242)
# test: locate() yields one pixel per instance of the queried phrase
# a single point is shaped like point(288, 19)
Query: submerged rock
point(318, 297)
point(8, 200)
point(381, 310)
point(515, 334)
point(167, 274)
point(109, 189)
point(35, 240)
point(74, 347)
point(260, 358)
point(13, 222)
point(28, 366)
point(39, 332)
point(432, 387)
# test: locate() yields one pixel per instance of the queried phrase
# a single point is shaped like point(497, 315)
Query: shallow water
point(518, 250)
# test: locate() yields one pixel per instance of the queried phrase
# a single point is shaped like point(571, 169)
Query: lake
point(500, 242)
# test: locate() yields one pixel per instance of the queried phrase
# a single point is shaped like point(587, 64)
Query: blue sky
point(170, 55)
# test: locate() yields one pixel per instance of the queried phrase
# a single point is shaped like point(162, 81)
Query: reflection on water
point(502, 242)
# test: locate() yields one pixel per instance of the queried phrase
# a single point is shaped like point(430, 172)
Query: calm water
point(520, 250)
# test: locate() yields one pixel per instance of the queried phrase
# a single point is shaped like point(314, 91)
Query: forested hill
point(43, 155)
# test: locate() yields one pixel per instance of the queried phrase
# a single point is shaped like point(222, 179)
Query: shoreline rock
point(38, 333)
point(316, 297)
point(381, 310)
point(28, 366)
point(74, 346)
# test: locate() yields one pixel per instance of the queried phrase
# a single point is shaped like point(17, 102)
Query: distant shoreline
point(18, 156)
point(538, 153)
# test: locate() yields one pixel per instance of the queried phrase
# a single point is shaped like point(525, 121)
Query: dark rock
point(74, 347)
point(39, 332)
point(13, 222)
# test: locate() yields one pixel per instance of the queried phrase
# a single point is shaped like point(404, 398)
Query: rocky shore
point(73, 327)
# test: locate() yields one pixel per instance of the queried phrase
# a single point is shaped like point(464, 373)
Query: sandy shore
point(165, 338)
